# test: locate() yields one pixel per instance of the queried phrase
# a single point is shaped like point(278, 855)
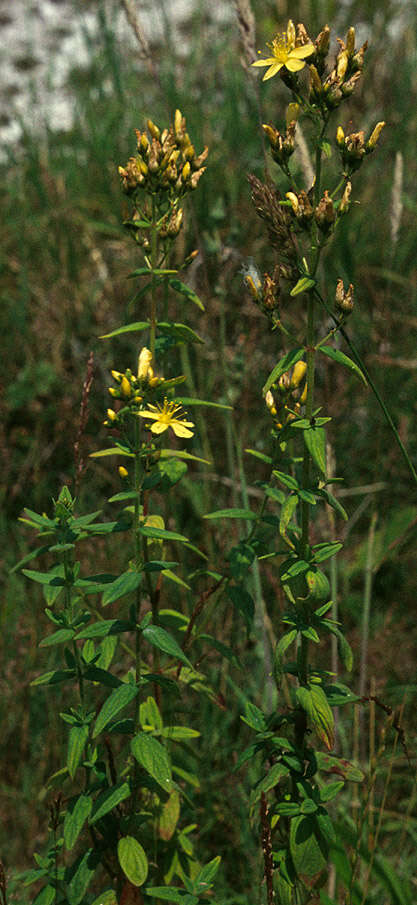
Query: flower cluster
point(353, 148)
point(286, 398)
point(166, 161)
point(139, 394)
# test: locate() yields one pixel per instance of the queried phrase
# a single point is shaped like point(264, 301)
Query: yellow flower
point(165, 416)
point(285, 53)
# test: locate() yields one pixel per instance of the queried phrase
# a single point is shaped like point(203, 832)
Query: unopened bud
point(144, 363)
point(345, 201)
point(125, 386)
point(294, 201)
point(178, 123)
point(123, 472)
point(303, 397)
point(370, 145)
point(111, 415)
point(316, 87)
point(298, 374)
point(342, 64)
point(117, 376)
point(284, 382)
point(290, 33)
point(186, 171)
point(153, 129)
point(113, 392)
point(350, 41)
point(349, 86)
point(340, 137)
point(292, 113)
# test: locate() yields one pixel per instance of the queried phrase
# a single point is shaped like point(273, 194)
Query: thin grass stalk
point(366, 615)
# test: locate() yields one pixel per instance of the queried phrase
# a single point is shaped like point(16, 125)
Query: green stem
point(311, 352)
point(154, 254)
point(69, 581)
point(137, 537)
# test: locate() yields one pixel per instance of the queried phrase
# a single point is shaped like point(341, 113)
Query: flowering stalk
point(300, 225)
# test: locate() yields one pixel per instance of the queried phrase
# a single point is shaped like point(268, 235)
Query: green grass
point(63, 270)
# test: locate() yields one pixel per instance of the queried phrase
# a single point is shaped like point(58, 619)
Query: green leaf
point(338, 694)
point(188, 293)
point(314, 701)
point(127, 328)
point(80, 876)
point(204, 878)
point(153, 757)
point(315, 441)
point(59, 637)
point(171, 894)
point(132, 860)
point(113, 451)
point(54, 677)
point(343, 359)
point(233, 513)
point(188, 401)
point(327, 793)
point(324, 551)
point(165, 642)
point(344, 768)
point(182, 454)
point(272, 778)
point(303, 285)
point(283, 365)
point(308, 851)
point(76, 743)
point(108, 897)
point(109, 800)
point(332, 501)
point(46, 578)
point(119, 699)
point(161, 533)
point(104, 628)
point(259, 455)
point(287, 808)
point(77, 813)
point(345, 650)
point(95, 674)
point(291, 568)
point(46, 896)
point(181, 332)
point(287, 513)
point(124, 584)
point(179, 733)
point(286, 479)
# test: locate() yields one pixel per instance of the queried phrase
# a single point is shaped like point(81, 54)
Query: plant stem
point(154, 253)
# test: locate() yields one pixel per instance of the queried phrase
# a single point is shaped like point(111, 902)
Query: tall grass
point(62, 285)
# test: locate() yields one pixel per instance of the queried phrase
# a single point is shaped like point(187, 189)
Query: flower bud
point(111, 415)
point(316, 87)
point(144, 363)
point(117, 376)
point(292, 197)
point(292, 113)
point(298, 374)
point(303, 397)
point(186, 171)
point(370, 145)
point(153, 129)
point(123, 472)
point(322, 41)
point(113, 392)
point(350, 42)
point(342, 64)
point(125, 386)
point(340, 137)
point(345, 200)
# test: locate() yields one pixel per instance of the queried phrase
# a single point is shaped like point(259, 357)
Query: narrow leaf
point(314, 701)
point(75, 817)
point(283, 365)
point(188, 293)
point(124, 584)
point(343, 359)
point(109, 800)
point(303, 285)
point(315, 441)
point(119, 699)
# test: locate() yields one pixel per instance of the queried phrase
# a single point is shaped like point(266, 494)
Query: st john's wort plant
point(118, 831)
point(291, 795)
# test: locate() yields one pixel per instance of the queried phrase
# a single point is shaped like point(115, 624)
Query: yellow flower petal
point(304, 51)
point(272, 71)
point(158, 427)
point(294, 65)
point(180, 428)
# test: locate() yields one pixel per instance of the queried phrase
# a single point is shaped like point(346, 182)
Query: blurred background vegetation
point(64, 259)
